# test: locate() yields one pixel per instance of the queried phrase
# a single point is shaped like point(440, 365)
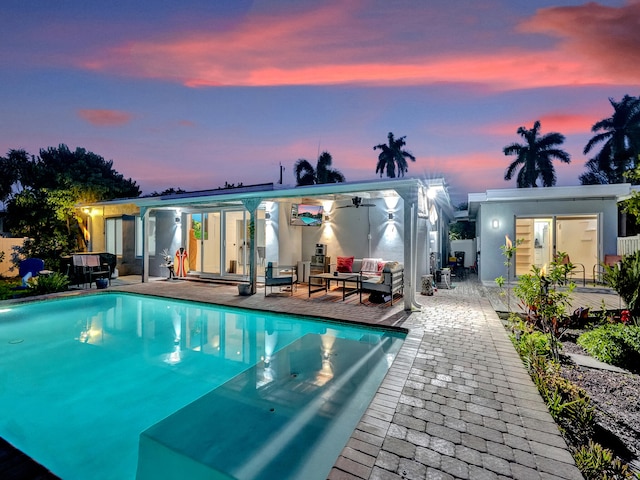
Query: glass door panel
point(578, 237)
point(536, 247)
point(235, 242)
point(211, 243)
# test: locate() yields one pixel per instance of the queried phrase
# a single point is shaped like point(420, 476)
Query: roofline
point(619, 191)
point(238, 194)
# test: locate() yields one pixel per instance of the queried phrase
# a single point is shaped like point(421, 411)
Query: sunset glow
point(229, 91)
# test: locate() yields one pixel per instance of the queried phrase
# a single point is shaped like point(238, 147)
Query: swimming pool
point(121, 386)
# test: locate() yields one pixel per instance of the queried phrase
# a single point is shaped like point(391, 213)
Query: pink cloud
point(105, 118)
point(607, 38)
point(297, 49)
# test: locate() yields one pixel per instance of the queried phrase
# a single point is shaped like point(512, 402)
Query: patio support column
point(144, 214)
point(251, 204)
point(410, 199)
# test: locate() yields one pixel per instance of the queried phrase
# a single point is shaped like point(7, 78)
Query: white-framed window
point(151, 234)
point(113, 235)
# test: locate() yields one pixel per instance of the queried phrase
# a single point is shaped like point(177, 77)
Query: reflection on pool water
point(123, 386)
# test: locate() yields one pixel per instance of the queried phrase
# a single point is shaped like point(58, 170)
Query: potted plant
point(244, 289)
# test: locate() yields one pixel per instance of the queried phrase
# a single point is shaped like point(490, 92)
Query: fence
point(6, 246)
point(628, 245)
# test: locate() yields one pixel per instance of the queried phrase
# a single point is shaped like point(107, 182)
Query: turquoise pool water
point(124, 386)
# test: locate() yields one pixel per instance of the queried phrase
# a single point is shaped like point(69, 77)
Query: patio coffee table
point(332, 277)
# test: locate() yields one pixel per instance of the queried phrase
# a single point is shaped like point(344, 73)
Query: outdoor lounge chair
point(31, 267)
point(278, 280)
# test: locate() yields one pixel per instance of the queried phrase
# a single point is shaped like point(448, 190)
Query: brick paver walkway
point(457, 403)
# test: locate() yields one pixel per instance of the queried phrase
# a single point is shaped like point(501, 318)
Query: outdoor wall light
point(495, 223)
point(327, 218)
point(177, 219)
point(267, 216)
point(390, 216)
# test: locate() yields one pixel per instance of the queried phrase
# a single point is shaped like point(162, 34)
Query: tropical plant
point(545, 304)
point(534, 158)
point(620, 139)
point(323, 173)
point(52, 283)
point(624, 278)
point(596, 462)
point(393, 155)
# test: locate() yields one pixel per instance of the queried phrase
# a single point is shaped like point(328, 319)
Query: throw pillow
point(345, 264)
point(380, 266)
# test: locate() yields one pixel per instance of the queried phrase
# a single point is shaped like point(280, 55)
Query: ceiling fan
point(357, 202)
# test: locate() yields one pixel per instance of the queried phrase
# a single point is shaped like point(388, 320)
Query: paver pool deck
point(457, 401)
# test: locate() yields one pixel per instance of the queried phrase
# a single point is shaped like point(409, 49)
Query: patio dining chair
point(577, 268)
point(599, 268)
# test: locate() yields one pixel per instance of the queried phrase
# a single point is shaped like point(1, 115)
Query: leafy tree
point(534, 158)
point(167, 191)
point(45, 190)
point(392, 155)
point(323, 173)
point(11, 168)
point(620, 139)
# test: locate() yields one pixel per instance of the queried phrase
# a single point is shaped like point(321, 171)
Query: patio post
point(410, 198)
point(251, 204)
point(144, 214)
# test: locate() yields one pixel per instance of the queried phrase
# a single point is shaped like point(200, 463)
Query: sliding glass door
point(542, 238)
point(219, 243)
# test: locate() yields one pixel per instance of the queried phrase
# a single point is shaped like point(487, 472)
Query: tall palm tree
point(391, 155)
point(535, 156)
point(621, 136)
point(323, 173)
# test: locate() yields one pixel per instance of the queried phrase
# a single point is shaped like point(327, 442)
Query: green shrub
point(615, 344)
point(596, 462)
point(625, 279)
point(52, 283)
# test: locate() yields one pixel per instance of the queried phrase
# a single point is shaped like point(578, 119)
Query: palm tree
point(621, 136)
point(535, 156)
point(323, 173)
point(391, 155)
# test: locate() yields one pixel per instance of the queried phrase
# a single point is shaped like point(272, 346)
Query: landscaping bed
point(615, 396)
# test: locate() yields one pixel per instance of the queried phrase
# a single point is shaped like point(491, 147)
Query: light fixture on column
point(495, 223)
point(390, 216)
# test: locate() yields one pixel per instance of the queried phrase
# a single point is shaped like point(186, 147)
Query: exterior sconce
point(177, 219)
point(267, 216)
point(495, 223)
point(327, 218)
point(390, 216)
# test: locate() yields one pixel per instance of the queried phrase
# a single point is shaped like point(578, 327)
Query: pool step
point(288, 419)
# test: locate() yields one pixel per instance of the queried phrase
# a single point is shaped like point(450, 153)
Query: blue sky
point(194, 94)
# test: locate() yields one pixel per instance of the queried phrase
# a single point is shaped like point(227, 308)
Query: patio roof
point(269, 191)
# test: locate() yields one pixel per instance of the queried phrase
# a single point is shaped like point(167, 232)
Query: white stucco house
point(581, 221)
point(402, 220)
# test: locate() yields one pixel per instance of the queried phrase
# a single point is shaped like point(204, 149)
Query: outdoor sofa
point(382, 279)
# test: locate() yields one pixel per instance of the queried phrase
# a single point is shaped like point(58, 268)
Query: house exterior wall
point(491, 264)
point(364, 232)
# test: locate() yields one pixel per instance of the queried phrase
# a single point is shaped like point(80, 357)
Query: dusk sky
point(196, 93)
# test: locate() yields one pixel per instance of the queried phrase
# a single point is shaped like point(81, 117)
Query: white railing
point(628, 245)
